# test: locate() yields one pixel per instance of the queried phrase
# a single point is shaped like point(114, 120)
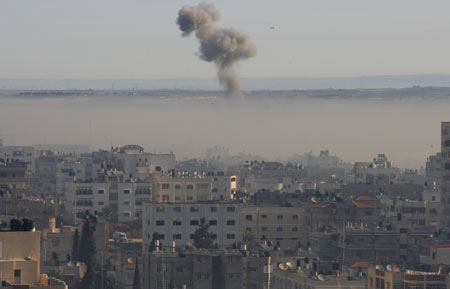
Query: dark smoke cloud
point(224, 47)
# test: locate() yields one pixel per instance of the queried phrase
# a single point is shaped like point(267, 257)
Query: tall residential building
point(445, 174)
point(178, 222)
point(433, 172)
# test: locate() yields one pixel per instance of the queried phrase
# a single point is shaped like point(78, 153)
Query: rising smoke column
point(224, 47)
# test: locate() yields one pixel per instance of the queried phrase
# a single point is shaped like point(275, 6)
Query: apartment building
point(445, 175)
point(433, 172)
point(22, 154)
point(20, 261)
point(379, 277)
point(132, 196)
point(283, 225)
point(178, 222)
point(179, 187)
point(193, 269)
point(380, 170)
point(13, 176)
point(126, 198)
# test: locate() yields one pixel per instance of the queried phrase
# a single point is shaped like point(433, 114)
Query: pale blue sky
point(139, 39)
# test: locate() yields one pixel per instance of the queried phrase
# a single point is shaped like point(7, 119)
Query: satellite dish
point(314, 200)
point(379, 267)
point(283, 266)
point(290, 265)
point(321, 277)
point(389, 267)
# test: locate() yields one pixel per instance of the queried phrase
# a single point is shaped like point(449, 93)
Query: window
point(203, 186)
point(279, 229)
point(233, 179)
point(126, 192)
point(231, 236)
point(159, 222)
point(194, 209)
point(190, 198)
point(230, 209)
point(264, 216)
point(177, 187)
point(160, 209)
point(248, 229)
point(213, 222)
point(248, 217)
point(213, 209)
point(189, 187)
point(177, 223)
point(194, 223)
point(264, 229)
point(177, 209)
point(176, 236)
point(161, 236)
point(295, 217)
point(231, 222)
point(100, 192)
point(165, 197)
point(280, 217)
point(165, 186)
point(191, 236)
point(100, 203)
point(294, 229)
point(179, 269)
point(126, 203)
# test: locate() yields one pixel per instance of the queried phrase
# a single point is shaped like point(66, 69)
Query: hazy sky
point(139, 39)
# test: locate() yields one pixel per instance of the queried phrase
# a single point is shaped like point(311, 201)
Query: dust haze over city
point(224, 144)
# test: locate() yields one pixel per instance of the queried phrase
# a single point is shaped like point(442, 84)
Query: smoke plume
point(224, 47)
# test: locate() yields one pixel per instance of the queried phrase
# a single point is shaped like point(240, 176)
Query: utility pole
point(269, 270)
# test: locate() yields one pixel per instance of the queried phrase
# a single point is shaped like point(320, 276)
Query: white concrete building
point(131, 199)
point(178, 222)
point(24, 154)
point(87, 197)
point(379, 170)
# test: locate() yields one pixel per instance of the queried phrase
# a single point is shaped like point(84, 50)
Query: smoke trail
point(224, 47)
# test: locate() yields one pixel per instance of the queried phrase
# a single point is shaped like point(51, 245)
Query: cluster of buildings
point(311, 222)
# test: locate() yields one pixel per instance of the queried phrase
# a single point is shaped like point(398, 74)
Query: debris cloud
point(224, 47)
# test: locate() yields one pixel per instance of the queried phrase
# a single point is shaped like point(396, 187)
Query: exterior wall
point(20, 153)
point(20, 250)
point(445, 175)
point(91, 197)
point(433, 172)
point(283, 225)
point(436, 256)
point(196, 269)
point(13, 176)
point(178, 221)
point(182, 189)
point(380, 278)
point(57, 244)
point(131, 199)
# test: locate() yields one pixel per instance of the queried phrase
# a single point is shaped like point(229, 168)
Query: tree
point(137, 277)
point(86, 252)
point(202, 238)
point(152, 246)
point(28, 225)
point(75, 246)
point(88, 281)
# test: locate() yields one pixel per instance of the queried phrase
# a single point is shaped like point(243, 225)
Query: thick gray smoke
point(224, 47)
